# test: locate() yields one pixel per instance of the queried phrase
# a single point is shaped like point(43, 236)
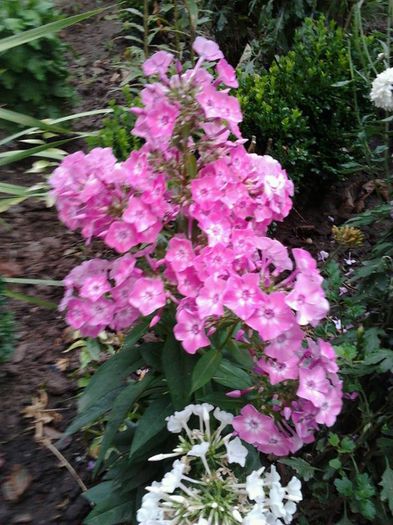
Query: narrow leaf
point(45, 30)
point(26, 120)
point(177, 366)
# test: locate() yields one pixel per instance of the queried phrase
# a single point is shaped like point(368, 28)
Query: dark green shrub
point(6, 328)
point(302, 108)
point(115, 131)
point(33, 77)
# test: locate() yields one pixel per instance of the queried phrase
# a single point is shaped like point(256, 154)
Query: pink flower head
point(190, 331)
point(330, 408)
point(95, 287)
point(147, 295)
point(78, 313)
point(157, 64)
point(251, 425)
point(139, 215)
point(188, 282)
point(308, 299)
point(207, 49)
point(101, 312)
point(313, 385)
point(180, 253)
point(216, 227)
point(272, 316)
point(274, 442)
point(277, 371)
point(122, 268)
point(210, 297)
point(121, 236)
point(286, 345)
point(226, 74)
point(304, 262)
point(243, 295)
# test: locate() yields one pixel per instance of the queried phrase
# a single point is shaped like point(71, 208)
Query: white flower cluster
point(382, 90)
point(214, 495)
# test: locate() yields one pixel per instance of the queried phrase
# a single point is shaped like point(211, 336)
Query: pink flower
point(207, 49)
point(274, 442)
point(188, 282)
point(101, 312)
point(121, 236)
point(243, 295)
point(251, 424)
point(180, 253)
point(216, 227)
point(95, 287)
point(277, 371)
point(272, 316)
point(226, 74)
point(148, 295)
point(330, 408)
point(139, 215)
point(210, 297)
point(313, 385)
point(286, 345)
point(157, 64)
point(308, 299)
point(122, 268)
point(78, 313)
point(190, 331)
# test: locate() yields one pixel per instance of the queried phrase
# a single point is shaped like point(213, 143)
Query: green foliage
point(6, 328)
point(301, 109)
point(352, 479)
point(33, 76)
point(115, 131)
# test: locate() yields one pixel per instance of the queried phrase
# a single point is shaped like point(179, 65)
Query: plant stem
point(145, 28)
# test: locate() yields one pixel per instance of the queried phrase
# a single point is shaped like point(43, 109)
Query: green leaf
point(232, 376)
point(335, 463)
point(334, 440)
point(26, 120)
point(121, 406)
point(105, 384)
point(111, 511)
point(29, 299)
point(14, 156)
point(99, 492)
point(8, 202)
point(151, 423)
point(304, 469)
point(205, 368)
point(177, 366)
point(45, 30)
point(344, 487)
point(387, 487)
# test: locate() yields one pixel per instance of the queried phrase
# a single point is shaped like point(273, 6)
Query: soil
point(34, 487)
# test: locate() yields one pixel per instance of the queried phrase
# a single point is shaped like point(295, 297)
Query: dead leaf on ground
point(41, 414)
point(17, 483)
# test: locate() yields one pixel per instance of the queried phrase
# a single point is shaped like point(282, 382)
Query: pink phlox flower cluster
point(319, 396)
point(114, 294)
point(123, 203)
point(189, 212)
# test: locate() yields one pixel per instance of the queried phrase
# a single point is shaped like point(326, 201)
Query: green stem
point(176, 20)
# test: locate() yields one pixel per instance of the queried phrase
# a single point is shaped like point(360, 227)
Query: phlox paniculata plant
point(188, 215)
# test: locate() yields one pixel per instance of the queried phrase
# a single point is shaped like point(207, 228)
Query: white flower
point(272, 477)
point(150, 509)
point(179, 420)
point(382, 90)
point(349, 261)
point(199, 450)
point(276, 496)
point(172, 479)
point(322, 255)
point(257, 516)
point(254, 485)
point(225, 418)
point(337, 323)
point(293, 490)
point(236, 452)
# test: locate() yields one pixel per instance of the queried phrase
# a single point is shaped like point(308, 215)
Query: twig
point(64, 462)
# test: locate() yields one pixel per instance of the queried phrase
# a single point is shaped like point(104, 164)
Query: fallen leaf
point(17, 483)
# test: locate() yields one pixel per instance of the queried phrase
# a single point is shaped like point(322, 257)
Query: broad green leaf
point(304, 469)
point(151, 423)
point(177, 366)
point(105, 384)
point(232, 376)
point(99, 492)
point(344, 487)
point(387, 487)
point(45, 30)
point(121, 406)
point(111, 511)
point(242, 356)
point(205, 368)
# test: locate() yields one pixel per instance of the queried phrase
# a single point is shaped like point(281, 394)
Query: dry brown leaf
point(17, 483)
point(62, 364)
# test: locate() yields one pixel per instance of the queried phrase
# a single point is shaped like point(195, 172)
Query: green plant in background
point(349, 470)
point(6, 328)
point(116, 128)
point(33, 76)
point(301, 109)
